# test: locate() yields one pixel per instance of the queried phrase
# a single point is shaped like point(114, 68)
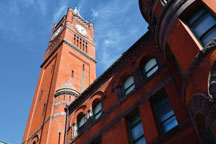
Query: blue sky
point(25, 29)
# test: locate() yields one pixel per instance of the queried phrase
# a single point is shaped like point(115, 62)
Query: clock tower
point(68, 68)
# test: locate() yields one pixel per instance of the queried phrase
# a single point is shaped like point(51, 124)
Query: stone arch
point(99, 95)
point(199, 108)
point(81, 109)
point(123, 77)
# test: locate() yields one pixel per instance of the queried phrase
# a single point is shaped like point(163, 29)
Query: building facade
point(161, 90)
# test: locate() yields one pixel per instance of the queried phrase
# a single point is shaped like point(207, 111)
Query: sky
point(25, 30)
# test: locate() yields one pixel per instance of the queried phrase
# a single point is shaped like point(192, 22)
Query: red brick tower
point(69, 67)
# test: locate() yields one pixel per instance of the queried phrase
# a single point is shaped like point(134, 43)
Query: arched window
point(202, 23)
point(128, 85)
point(97, 110)
point(80, 122)
point(150, 67)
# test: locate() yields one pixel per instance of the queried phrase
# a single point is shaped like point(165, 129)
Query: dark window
point(203, 24)
point(150, 67)
point(136, 129)
point(44, 109)
point(163, 112)
point(128, 85)
point(41, 94)
point(80, 122)
point(97, 110)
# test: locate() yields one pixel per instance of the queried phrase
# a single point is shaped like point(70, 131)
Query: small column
point(74, 131)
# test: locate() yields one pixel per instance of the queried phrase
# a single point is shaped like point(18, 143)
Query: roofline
point(107, 74)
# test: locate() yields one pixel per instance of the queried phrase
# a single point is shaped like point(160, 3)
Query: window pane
point(98, 115)
point(204, 24)
point(97, 108)
point(159, 100)
point(196, 16)
point(129, 81)
point(165, 112)
point(137, 131)
point(136, 119)
point(150, 64)
point(129, 90)
point(81, 122)
point(152, 71)
point(169, 124)
point(141, 141)
point(148, 67)
point(209, 36)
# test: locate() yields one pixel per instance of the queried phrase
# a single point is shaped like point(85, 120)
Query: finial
point(76, 12)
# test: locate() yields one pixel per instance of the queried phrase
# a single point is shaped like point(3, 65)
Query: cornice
point(66, 91)
point(80, 18)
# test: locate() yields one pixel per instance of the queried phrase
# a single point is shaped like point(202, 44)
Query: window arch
point(128, 85)
point(97, 109)
point(150, 67)
point(80, 122)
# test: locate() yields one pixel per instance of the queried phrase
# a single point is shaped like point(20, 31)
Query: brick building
point(161, 90)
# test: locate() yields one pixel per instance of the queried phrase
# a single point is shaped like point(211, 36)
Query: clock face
point(81, 30)
point(57, 31)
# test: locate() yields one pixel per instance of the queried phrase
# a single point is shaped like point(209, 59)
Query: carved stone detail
point(212, 74)
point(196, 61)
point(199, 103)
point(211, 117)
